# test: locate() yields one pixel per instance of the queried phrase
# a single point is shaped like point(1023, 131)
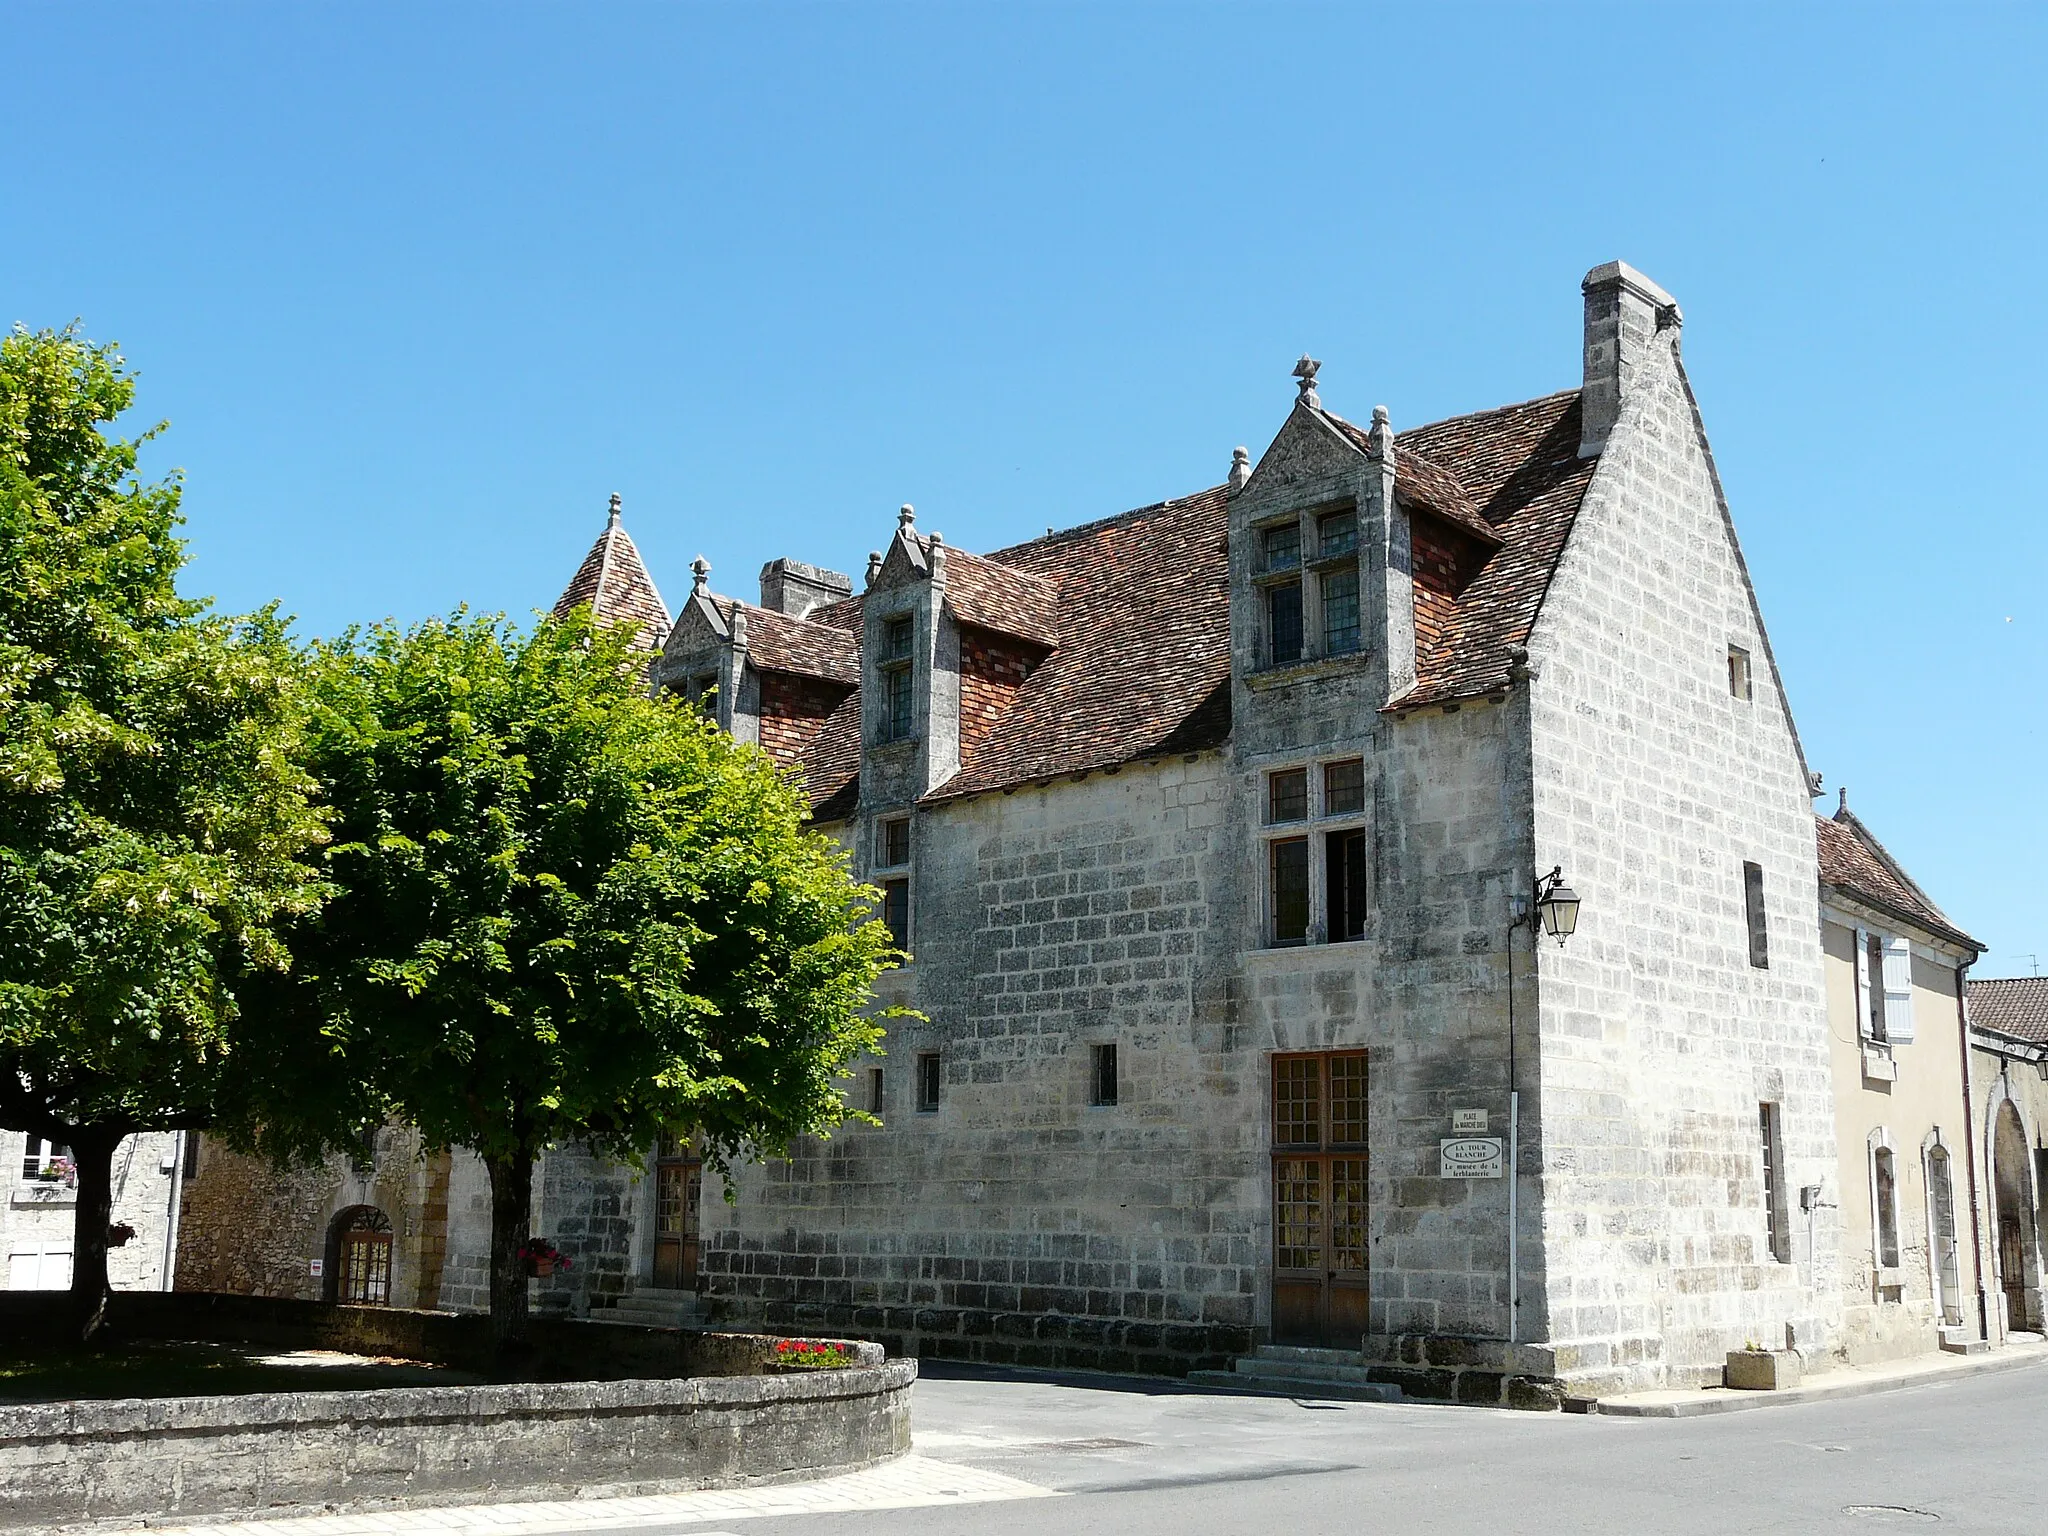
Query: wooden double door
point(678, 1176)
point(1321, 1215)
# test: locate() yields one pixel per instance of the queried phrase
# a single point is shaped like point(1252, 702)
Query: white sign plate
point(1468, 1122)
point(1470, 1157)
point(314, 1266)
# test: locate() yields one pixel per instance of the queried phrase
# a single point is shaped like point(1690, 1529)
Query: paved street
point(1138, 1458)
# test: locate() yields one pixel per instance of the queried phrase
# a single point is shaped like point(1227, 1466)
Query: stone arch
point(357, 1270)
point(1881, 1160)
point(2015, 1228)
point(1944, 1243)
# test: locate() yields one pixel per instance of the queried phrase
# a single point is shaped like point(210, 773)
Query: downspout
point(1970, 1146)
point(177, 1192)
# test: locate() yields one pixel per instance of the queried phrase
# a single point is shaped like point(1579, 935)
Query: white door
point(39, 1269)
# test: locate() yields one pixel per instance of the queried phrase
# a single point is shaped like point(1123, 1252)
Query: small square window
point(896, 639)
point(1280, 548)
point(874, 1090)
point(1738, 672)
point(1290, 891)
point(895, 840)
point(896, 911)
point(1102, 1088)
point(1283, 621)
point(1287, 795)
point(1337, 533)
point(1344, 788)
point(927, 1082)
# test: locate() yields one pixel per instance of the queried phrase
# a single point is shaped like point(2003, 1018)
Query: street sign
point(1468, 1122)
point(1469, 1157)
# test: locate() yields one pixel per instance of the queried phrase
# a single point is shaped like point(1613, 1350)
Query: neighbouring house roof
point(1133, 612)
point(1855, 863)
point(2011, 1005)
point(614, 581)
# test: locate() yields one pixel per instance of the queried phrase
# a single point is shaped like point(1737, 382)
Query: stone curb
point(1725, 1401)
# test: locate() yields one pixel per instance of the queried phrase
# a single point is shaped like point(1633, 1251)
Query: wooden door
point(2012, 1270)
point(677, 1178)
point(1321, 1215)
point(365, 1268)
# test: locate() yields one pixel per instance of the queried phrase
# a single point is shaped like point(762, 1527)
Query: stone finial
point(874, 565)
point(935, 554)
point(612, 521)
point(906, 518)
point(1382, 432)
point(1842, 806)
point(738, 627)
point(1518, 663)
point(1240, 468)
point(1305, 372)
point(700, 576)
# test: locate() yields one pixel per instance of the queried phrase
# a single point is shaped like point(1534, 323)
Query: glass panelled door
point(1320, 1211)
point(677, 1180)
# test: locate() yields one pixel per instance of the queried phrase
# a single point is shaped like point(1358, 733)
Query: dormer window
point(896, 678)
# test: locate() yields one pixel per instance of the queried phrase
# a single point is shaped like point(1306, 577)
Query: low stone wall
point(648, 1428)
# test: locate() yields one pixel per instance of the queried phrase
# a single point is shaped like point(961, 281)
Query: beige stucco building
point(1911, 1270)
point(2009, 1102)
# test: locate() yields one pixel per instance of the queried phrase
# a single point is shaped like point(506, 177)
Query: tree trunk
point(511, 1219)
point(92, 1154)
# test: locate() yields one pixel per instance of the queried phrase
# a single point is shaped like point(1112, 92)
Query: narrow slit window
point(1102, 1074)
point(1753, 904)
point(896, 911)
point(1738, 672)
point(874, 1090)
point(1777, 1219)
point(1290, 891)
point(1884, 1190)
point(927, 1082)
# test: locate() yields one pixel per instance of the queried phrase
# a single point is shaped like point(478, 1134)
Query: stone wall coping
point(44, 1422)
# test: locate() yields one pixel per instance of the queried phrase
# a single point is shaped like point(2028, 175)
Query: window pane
point(1290, 891)
point(1283, 618)
point(928, 1081)
point(1340, 611)
point(1350, 1224)
point(1337, 533)
point(896, 639)
point(1344, 788)
point(1287, 795)
point(896, 724)
point(1280, 548)
point(1344, 869)
point(895, 844)
point(1298, 1213)
point(1104, 1087)
point(1347, 1100)
point(1297, 1101)
point(896, 911)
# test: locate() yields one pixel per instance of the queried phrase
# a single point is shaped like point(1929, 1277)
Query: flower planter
point(1761, 1370)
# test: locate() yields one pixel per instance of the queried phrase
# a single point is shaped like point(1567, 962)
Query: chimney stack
point(1624, 313)
point(791, 587)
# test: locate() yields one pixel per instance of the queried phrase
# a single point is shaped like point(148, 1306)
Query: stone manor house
point(1219, 832)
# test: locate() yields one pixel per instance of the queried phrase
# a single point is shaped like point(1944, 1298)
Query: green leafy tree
point(568, 910)
point(156, 818)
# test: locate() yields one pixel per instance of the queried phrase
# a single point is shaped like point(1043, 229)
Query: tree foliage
point(567, 910)
point(156, 818)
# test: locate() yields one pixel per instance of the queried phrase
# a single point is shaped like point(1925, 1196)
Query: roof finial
point(874, 565)
point(1305, 371)
point(700, 575)
point(613, 520)
point(906, 518)
point(1240, 468)
point(1842, 807)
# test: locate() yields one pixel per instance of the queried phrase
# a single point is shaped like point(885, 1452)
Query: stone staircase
point(1284, 1371)
point(652, 1308)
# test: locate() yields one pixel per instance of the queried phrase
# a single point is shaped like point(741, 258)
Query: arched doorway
point(359, 1257)
point(2017, 1242)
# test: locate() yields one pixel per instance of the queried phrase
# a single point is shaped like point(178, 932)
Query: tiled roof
point(1854, 862)
point(805, 647)
point(614, 581)
point(1000, 597)
point(1521, 469)
point(2012, 1005)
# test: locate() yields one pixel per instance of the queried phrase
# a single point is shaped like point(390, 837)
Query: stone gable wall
point(1659, 1040)
point(39, 1217)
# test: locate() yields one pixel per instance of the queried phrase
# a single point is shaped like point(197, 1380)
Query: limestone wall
point(38, 1218)
point(1659, 1040)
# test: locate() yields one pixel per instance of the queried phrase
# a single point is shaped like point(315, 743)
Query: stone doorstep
point(1843, 1381)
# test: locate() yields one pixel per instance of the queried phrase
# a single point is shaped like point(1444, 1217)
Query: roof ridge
point(1491, 410)
point(1850, 819)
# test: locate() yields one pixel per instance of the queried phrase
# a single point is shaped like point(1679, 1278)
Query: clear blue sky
point(417, 287)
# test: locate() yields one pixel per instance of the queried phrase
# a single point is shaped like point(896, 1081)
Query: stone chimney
point(1624, 313)
point(791, 587)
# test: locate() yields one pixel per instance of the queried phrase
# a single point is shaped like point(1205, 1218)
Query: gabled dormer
point(910, 670)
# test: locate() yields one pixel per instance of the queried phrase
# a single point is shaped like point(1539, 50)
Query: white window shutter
point(1862, 985)
point(1898, 990)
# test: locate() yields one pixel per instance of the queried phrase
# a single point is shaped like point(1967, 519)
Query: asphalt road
point(1144, 1458)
